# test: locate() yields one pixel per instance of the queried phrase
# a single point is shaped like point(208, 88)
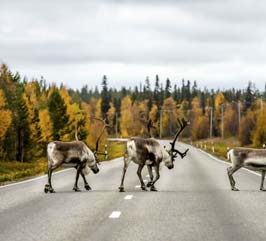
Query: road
point(193, 202)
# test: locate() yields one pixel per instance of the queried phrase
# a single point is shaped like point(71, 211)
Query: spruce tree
point(156, 92)
point(105, 97)
point(168, 88)
point(58, 114)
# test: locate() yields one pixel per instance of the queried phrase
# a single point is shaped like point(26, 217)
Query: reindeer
point(73, 154)
point(148, 151)
point(254, 159)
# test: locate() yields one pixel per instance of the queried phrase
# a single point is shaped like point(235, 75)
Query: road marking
point(128, 197)
point(145, 180)
point(115, 214)
point(147, 175)
point(137, 186)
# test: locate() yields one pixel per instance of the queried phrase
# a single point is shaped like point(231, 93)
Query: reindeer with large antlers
point(148, 151)
point(73, 154)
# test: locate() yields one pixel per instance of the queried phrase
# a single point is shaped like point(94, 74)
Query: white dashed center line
point(115, 214)
point(138, 186)
point(128, 197)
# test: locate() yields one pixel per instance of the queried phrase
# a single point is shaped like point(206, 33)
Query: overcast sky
point(219, 43)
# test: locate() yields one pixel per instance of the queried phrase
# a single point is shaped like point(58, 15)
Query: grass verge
point(217, 146)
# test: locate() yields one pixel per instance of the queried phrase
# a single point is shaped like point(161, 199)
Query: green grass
point(14, 171)
point(116, 149)
point(10, 171)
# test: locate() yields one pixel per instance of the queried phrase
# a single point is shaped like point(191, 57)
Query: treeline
point(33, 113)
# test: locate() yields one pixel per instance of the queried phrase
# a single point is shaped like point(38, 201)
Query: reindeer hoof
point(46, 188)
point(76, 189)
point(121, 189)
point(153, 189)
point(87, 187)
point(263, 189)
point(149, 184)
point(143, 188)
point(235, 189)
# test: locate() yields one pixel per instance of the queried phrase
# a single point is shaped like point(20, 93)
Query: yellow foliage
point(259, 133)
point(30, 92)
point(5, 121)
point(2, 99)
point(219, 99)
point(5, 116)
point(230, 121)
point(111, 113)
point(153, 113)
point(126, 116)
point(200, 128)
point(169, 116)
point(94, 127)
point(46, 125)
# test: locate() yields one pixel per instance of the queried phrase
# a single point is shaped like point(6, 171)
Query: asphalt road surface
point(193, 202)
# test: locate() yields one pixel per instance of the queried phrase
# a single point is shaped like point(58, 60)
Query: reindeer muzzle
point(95, 169)
point(170, 166)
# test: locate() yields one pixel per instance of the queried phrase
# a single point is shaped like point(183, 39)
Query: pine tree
point(105, 97)
point(156, 92)
point(58, 114)
point(168, 88)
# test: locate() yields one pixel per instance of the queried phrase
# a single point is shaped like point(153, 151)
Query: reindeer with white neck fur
point(254, 159)
point(148, 151)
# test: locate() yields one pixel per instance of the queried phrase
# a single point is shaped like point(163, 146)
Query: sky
point(221, 44)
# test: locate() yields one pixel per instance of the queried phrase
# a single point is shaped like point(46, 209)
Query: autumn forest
point(33, 113)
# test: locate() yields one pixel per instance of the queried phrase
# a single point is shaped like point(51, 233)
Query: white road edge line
point(128, 197)
point(33, 179)
point(227, 163)
point(115, 214)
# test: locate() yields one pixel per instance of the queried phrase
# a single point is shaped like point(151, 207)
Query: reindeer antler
point(98, 139)
point(183, 123)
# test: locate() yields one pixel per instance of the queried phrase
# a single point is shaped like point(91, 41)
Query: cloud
point(185, 39)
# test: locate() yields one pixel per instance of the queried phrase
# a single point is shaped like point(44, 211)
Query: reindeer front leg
point(76, 188)
point(143, 187)
point(262, 181)
point(48, 187)
point(149, 167)
point(157, 167)
point(86, 185)
point(230, 172)
point(126, 163)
